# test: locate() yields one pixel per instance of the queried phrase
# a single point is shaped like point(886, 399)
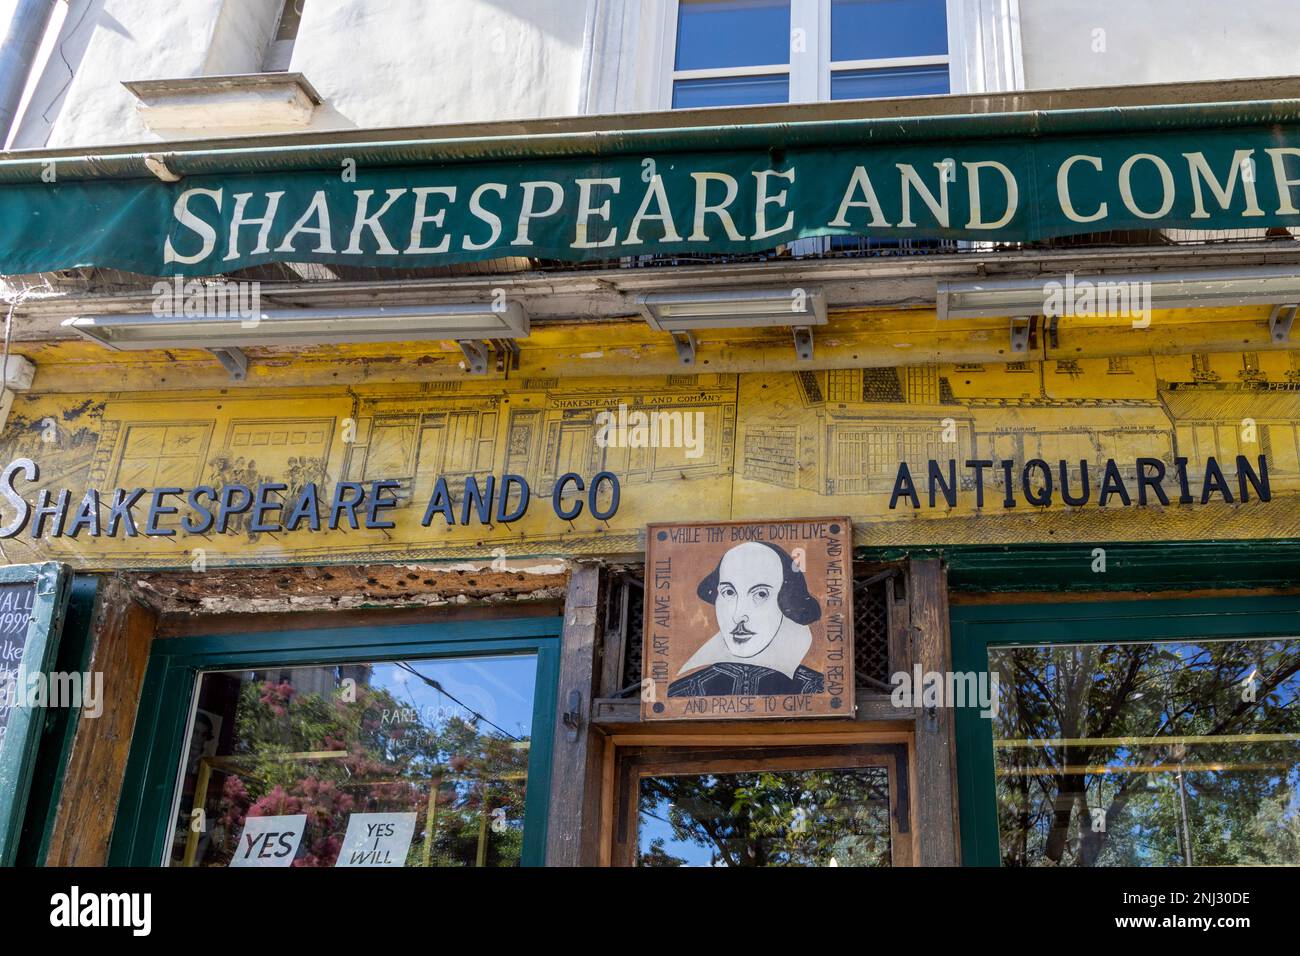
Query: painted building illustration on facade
point(808, 436)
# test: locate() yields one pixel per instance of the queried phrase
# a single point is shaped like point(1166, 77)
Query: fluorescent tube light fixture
point(1203, 288)
point(684, 313)
point(471, 326)
point(696, 311)
point(305, 327)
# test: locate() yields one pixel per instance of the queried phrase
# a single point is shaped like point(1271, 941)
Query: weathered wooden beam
point(900, 625)
point(612, 713)
point(936, 756)
point(626, 347)
point(122, 632)
point(572, 836)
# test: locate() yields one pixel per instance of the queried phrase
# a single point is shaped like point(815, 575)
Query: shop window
point(1148, 754)
point(1111, 749)
point(399, 763)
point(751, 52)
point(416, 746)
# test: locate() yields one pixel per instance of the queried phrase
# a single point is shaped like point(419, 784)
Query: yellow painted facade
point(774, 444)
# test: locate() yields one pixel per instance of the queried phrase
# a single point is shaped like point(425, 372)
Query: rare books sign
point(748, 619)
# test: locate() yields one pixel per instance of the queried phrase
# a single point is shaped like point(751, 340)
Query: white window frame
point(983, 52)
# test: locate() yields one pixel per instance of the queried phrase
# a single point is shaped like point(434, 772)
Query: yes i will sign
point(748, 619)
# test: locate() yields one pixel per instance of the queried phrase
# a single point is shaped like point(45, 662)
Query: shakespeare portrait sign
point(748, 619)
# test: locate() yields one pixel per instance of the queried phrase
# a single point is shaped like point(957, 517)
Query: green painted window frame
point(143, 828)
point(976, 628)
point(18, 754)
point(61, 723)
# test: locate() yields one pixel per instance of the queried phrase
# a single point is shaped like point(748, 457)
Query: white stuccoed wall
point(374, 62)
point(416, 62)
point(114, 40)
point(1156, 41)
point(380, 63)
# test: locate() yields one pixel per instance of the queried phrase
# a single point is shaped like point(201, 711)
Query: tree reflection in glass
point(445, 740)
point(1153, 754)
point(766, 818)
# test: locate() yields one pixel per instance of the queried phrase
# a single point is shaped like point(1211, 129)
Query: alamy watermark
point(654, 429)
point(181, 298)
point(1100, 297)
point(133, 911)
point(56, 689)
point(945, 689)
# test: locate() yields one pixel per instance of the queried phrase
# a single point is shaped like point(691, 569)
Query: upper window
point(732, 53)
point(883, 48)
point(749, 52)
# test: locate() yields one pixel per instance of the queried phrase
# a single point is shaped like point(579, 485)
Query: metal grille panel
point(871, 627)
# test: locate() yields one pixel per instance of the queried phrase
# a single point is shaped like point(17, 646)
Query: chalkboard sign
point(33, 599)
point(17, 602)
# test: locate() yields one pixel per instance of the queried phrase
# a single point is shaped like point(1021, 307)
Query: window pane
point(881, 84)
point(772, 818)
point(1155, 754)
point(401, 763)
point(875, 29)
point(723, 33)
point(731, 91)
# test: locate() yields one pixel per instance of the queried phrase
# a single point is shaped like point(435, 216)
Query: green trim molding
point(976, 628)
point(60, 728)
point(1128, 566)
point(143, 828)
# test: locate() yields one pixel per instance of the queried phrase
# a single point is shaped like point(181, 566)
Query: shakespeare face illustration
point(746, 600)
point(762, 608)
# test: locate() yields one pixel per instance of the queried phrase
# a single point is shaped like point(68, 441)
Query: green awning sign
point(741, 200)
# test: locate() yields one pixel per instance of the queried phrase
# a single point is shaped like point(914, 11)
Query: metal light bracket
point(685, 344)
point(1280, 321)
point(803, 342)
point(572, 717)
point(507, 355)
point(476, 355)
point(235, 362)
point(1022, 332)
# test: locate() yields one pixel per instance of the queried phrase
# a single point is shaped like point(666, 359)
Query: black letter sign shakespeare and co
point(271, 507)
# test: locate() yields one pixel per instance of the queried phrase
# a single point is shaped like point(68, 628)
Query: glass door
point(840, 805)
